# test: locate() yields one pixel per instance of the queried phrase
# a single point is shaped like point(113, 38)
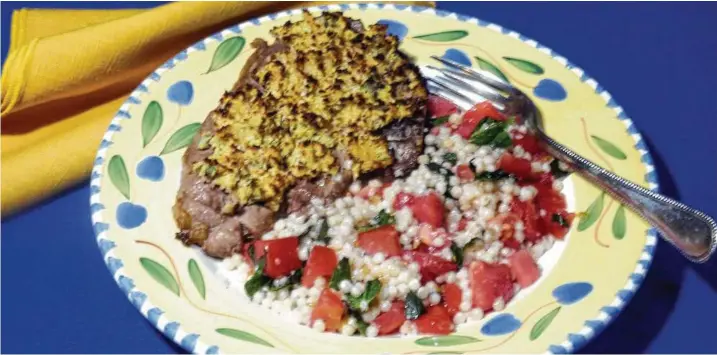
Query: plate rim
point(192, 342)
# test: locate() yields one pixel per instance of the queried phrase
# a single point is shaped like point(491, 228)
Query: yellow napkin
point(68, 71)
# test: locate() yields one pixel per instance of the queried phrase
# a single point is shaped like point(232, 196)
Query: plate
point(587, 280)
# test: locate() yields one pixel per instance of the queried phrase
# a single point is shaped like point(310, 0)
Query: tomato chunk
point(436, 320)
point(367, 191)
point(556, 229)
point(465, 173)
point(462, 224)
point(528, 213)
point(390, 321)
point(439, 107)
point(452, 296)
point(431, 266)
point(330, 309)
point(282, 256)
point(524, 268)
point(322, 262)
point(528, 142)
point(429, 209)
point(402, 200)
point(472, 118)
point(488, 282)
point(517, 166)
point(381, 240)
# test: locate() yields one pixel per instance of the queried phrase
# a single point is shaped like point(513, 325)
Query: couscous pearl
point(430, 139)
point(363, 305)
point(319, 325)
point(451, 277)
point(434, 298)
point(392, 291)
point(459, 318)
point(422, 293)
point(378, 258)
point(371, 331)
point(348, 329)
point(402, 289)
point(465, 306)
point(476, 314)
point(385, 306)
point(438, 242)
point(414, 284)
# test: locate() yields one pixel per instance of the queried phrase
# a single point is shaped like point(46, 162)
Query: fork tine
point(451, 95)
point(475, 74)
point(480, 89)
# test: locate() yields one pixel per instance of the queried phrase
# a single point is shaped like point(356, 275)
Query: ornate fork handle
point(691, 231)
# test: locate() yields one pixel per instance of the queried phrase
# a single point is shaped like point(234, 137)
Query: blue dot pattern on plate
point(572, 292)
point(395, 28)
point(457, 56)
point(151, 168)
point(501, 324)
point(130, 215)
point(181, 92)
point(549, 89)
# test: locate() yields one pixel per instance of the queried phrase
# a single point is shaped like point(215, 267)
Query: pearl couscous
point(455, 239)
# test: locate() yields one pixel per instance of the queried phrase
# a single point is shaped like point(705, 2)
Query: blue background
point(658, 59)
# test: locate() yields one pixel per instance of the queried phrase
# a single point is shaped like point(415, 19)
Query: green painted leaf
point(592, 213)
point(118, 175)
point(160, 274)
point(445, 36)
point(151, 122)
point(446, 340)
point(524, 65)
point(181, 138)
point(619, 223)
point(543, 323)
point(197, 279)
point(444, 352)
point(227, 51)
point(242, 335)
point(489, 67)
point(609, 148)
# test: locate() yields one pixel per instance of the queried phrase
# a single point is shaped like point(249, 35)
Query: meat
point(219, 205)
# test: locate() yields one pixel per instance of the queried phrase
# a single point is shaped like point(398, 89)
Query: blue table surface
point(659, 61)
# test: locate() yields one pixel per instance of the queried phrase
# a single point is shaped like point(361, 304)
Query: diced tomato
point(390, 321)
point(282, 256)
point(506, 222)
point(402, 200)
point(517, 166)
point(330, 309)
point(528, 213)
point(554, 228)
point(472, 118)
point(488, 282)
point(511, 243)
point(462, 224)
point(431, 266)
point(439, 107)
point(436, 320)
point(452, 295)
point(381, 240)
point(428, 235)
point(367, 191)
point(549, 199)
point(429, 209)
point(524, 268)
point(322, 262)
point(465, 173)
point(528, 142)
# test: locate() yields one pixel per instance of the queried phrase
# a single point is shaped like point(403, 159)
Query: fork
point(691, 231)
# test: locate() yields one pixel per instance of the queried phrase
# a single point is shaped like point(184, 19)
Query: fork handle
point(689, 230)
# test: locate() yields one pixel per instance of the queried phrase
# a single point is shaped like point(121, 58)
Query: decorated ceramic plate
point(586, 278)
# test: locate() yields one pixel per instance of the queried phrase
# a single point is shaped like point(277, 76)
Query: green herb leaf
point(592, 214)
point(445, 36)
point(556, 171)
point(181, 138)
point(543, 323)
point(242, 335)
point(258, 280)
point(151, 122)
point(227, 51)
point(491, 132)
point(372, 290)
point(361, 325)
point(609, 148)
point(451, 158)
point(619, 223)
point(160, 274)
point(252, 254)
point(384, 218)
point(439, 169)
point(502, 140)
point(342, 272)
point(559, 219)
point(414, 306)
point(195, 274)
point(471, 243)
point(492, 175)
point(324, 232)
point(489, 67)
point(457, 254)
point(118, 175)
point(439, 121)
point(446, 340)
point(526, 66)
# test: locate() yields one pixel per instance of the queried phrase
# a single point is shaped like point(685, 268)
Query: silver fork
point(692, 232)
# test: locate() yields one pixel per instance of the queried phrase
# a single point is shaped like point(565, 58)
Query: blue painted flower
point(151, 168)
point(501, 324)
point(181, 92)
point(572, 292)
point(395, 28)
point(457, 56)
point(549, 89)
point(130, 215)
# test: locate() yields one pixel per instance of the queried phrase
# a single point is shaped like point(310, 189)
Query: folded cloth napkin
point(68, 71)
